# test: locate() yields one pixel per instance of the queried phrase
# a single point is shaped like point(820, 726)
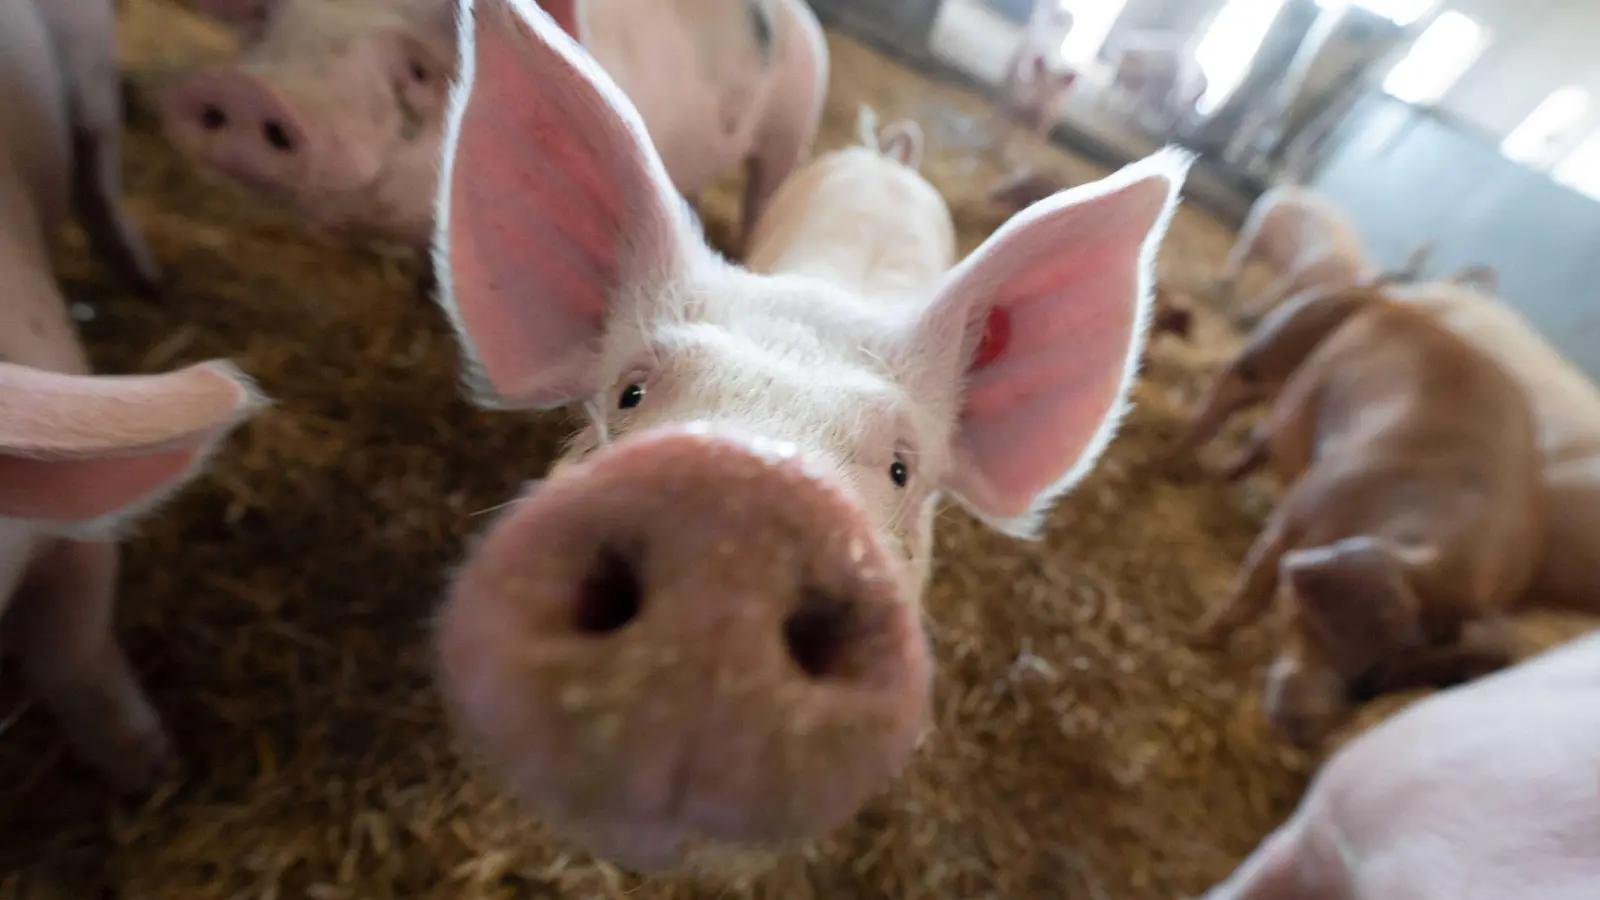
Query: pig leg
point(60, 626)
point(1480, 651)
point(1256, 583)
point(97, 180)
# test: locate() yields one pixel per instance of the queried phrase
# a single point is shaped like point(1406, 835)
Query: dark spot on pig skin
point(36, 325)
point(761, 21)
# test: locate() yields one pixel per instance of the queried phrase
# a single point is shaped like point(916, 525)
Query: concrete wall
point(1406, 177)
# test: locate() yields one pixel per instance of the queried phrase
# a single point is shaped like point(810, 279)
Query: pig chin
point(687, 639)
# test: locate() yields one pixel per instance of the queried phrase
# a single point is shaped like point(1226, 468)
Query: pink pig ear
point(78, 453)
point(1043, 325)
point(553, 208)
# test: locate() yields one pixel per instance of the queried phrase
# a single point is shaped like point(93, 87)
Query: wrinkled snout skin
point(689, 635)
point(1482, 792)
point(335, 112)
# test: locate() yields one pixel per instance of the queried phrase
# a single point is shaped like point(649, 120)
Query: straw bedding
point(279, 609)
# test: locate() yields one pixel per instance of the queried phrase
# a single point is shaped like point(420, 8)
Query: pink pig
point(337, 106)
point(80, 454)
point(1482, 792)
point(703, 630)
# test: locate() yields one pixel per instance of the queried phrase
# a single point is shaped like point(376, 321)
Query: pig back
point(1565, 402)
point(859, 220)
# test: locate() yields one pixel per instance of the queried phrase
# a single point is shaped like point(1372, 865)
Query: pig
point(1414, 508)
point(1036, 76)
point(337, 107)
point(1480, 792)
point(701, 632)
point(80, 454)
point(860, 218)
point(1305, 238)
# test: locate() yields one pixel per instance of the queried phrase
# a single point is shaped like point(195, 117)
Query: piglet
point(1160, 73)
point(1036, 75)
point(703, 631)
point(79, 454)
point(1414, 508)
point(1482, 792)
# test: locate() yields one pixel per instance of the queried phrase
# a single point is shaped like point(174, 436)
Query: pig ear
point(1042, 328)
point(553, 208)
point(902, 142)
point(80, 453)
point(1352, 597)
point(247, 17)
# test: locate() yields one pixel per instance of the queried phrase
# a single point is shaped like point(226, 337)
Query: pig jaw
point(688, 637)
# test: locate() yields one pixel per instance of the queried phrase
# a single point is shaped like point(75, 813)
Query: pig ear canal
point(1043, 326)
point(554, 209)
point(902, 142)
point(1353, 598)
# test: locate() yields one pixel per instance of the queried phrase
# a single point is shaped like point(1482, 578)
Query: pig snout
point(237, 124)
point(687, 639)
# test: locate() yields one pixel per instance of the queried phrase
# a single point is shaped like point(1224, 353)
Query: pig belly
point(1479, 798)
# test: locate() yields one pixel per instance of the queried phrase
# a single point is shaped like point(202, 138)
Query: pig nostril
point(609, 597)
point(276, 135)
point(819, 633)
point(212, 118)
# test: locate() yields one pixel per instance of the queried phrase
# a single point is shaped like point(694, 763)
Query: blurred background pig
point(79, 454)
point(336, 106)
point(703, 630)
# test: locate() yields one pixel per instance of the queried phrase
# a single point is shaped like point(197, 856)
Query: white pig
point(704, 630)
point(1305, 238)
point(1488, 791)
point(860, 217)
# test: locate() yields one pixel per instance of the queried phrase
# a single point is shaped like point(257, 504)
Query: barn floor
point(279, 611)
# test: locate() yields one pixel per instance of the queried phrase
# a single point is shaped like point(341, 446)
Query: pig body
point(702, 630)
point(1566, 402)
point(1305, 239)
point(861, 218)
point(78, 453)
point(337, 107)
point(1415, 508)
point(1036, 75)
point(1480, 792)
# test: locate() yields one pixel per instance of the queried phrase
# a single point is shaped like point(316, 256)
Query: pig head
point(703, 629)
point(335, 110)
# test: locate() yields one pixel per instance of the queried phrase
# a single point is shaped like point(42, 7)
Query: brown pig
point(336, 108)
point(1277, 346)
point(79, 454)
point(1415, 508)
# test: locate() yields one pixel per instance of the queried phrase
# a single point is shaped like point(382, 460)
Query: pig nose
point(239, 125)
point(687, 640)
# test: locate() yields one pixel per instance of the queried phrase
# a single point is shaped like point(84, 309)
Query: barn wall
point(1406, 177)
point(1536, 46)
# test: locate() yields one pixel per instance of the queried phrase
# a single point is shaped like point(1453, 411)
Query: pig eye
point(898, 473)
point(632, 396)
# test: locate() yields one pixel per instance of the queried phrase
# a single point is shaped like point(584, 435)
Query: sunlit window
point(1534, 142)
point(1091, 23)
point(1581, 169)
point(1225, 51)
point(1437, 60)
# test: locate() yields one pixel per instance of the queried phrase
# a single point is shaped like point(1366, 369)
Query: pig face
point(335, 113)
point(703, 628)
